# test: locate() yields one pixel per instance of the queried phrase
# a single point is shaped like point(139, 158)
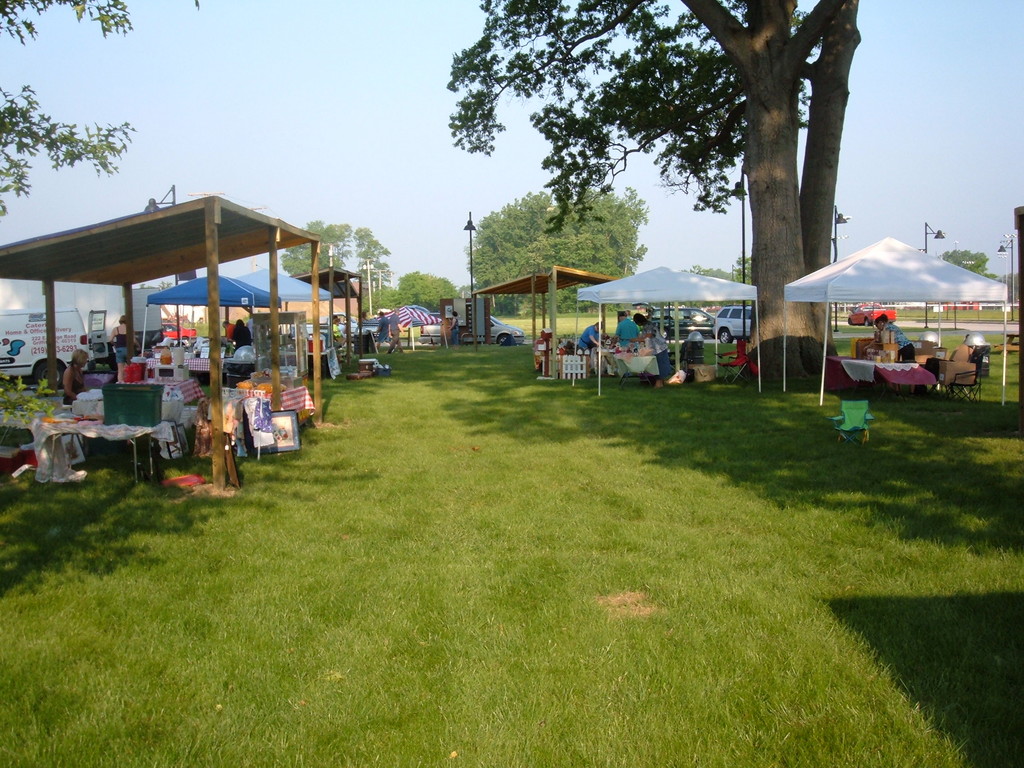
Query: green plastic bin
point(136, 404)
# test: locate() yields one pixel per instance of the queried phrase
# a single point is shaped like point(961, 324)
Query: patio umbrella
point(416, 316)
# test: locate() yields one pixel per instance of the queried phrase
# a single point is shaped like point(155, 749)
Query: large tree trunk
point(771, 163)
point(829, 76)
point(771, 59)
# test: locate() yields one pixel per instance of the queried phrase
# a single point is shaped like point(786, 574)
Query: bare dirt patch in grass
point(626, 605)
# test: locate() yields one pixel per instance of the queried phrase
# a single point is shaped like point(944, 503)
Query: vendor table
point(635, 365)
point(189, 388)
point(53, 464)
point(847, 372)
point(194, 364)
point(294, 399)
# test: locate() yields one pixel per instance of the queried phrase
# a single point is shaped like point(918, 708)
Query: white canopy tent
point(669, 286)
point(890, 271)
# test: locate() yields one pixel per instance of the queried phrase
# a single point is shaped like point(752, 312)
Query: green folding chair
point(852, 423)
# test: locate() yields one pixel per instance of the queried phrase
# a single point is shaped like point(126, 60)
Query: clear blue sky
point(339, 112)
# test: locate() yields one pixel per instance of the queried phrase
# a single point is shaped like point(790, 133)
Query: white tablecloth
point(54, 464)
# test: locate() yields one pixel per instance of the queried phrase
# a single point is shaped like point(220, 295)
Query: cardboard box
point(948, 370)
point(702, 373)
point(925, 348)
point(858, 347)
point(961, 354)
point(940, 353)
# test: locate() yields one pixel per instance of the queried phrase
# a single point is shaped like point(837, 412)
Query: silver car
point(501, 333)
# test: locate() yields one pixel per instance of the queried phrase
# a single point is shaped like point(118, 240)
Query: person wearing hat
point(627, 331)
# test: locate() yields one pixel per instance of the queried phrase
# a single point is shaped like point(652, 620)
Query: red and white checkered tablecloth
point(194, 364)
point(189, 388)
point(296, 399)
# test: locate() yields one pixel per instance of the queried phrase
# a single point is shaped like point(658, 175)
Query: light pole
point(837, 219)
point(938, 234)
point(472, 299)
point(1006, 252)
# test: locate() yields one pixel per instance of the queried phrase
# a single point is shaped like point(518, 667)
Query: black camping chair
point(966, 385)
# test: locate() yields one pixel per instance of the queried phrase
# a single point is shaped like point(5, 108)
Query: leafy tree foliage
point(26, 131)
point(341, 243)
point(423, 289)
point(519, 240)
point(696, 89)
point(972, 261)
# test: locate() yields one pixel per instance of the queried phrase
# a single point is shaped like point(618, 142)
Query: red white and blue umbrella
point(415, 316)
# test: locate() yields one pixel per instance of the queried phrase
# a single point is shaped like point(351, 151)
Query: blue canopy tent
point(195, 293)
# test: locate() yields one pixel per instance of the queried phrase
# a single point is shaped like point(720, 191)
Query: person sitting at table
point(627, 331)
point(656, 342)
point(906, 352)
point(73, 382)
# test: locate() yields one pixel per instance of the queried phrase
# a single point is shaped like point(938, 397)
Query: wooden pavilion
point(202, 233)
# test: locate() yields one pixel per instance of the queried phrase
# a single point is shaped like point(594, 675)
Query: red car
point(171, 331)
point(866, 314)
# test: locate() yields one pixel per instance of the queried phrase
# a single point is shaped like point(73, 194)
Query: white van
point(23, 341)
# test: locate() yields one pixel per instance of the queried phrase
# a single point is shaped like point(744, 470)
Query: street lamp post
point(1006, 252)
point(472, 298)
point(837, 219)
point(938, 234)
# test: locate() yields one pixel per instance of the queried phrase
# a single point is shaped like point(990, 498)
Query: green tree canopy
point(969, 260)
point(26, 131)
point(349, 248)
point(696, 85)
point(518, 240)
point(423, 289)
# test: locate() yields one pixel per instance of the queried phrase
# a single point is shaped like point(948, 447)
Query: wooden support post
point(211, 222)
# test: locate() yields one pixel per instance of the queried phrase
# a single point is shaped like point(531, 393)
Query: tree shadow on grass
point(86, 526)
point(961, 657)
point(932, 469)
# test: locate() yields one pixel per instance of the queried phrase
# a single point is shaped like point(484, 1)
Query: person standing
point(907, 353)
point(656, 342)
point(119, 338)
point(242, 336)
point(394, 332)
point(627, 331)
point(383, 327)
point(456, 331)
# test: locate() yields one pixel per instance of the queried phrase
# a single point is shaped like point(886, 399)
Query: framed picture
point(284, 426)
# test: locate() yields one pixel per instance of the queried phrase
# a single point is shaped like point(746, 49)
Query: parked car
point(866, 314)
point(501, 333)
point(170, 331)
point(734, 322)
point(690, 319)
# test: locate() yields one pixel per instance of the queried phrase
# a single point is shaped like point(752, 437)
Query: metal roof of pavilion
point(540, 282)
point(147, 246)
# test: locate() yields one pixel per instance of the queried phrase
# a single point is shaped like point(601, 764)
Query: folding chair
point(740, 366)
point(852, 423)
point(966, 385)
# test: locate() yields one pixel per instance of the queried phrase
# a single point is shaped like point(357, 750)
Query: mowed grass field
point(465, 565)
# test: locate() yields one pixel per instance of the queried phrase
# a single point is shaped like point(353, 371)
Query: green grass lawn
point(467, 566)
